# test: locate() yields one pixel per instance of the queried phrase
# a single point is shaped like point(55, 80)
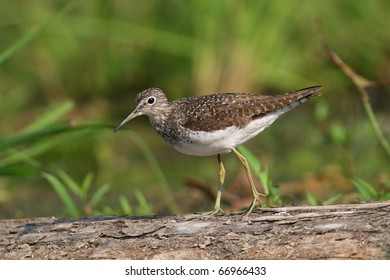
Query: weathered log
point(359, 231)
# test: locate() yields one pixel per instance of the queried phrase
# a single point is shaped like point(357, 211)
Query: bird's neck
point(160, 118)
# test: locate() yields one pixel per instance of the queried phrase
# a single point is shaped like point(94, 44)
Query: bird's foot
point(209, 214)
point(256, 198)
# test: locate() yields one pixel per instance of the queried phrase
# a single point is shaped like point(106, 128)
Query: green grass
point(86, 202)
point(314, 201)
point(165, 189)
point(70, 72)
point(368, 192)
point(43, 136)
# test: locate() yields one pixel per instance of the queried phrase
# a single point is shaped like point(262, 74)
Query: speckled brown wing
point(218, 111)
point(284, 100)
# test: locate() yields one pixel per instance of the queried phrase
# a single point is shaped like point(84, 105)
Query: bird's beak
point(134, 114)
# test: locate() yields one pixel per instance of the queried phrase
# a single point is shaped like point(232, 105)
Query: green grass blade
point(125, 206)
point(28, 138)
point(62, 193)
point(16, 171)
point(366, 190)
point(50, 117)
point(12, 156)
point(265, 180)
point(69, 182)
point(255, 165)
point(312, 200)
point(87, 182)
point(144, 207)
point(332, 200)
point(99, 194)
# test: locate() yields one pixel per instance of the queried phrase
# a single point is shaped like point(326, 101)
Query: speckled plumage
point(187, 123)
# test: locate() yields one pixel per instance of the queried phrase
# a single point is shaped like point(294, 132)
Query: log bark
point(360, 231)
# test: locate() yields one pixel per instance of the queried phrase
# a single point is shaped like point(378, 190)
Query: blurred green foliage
point(368, 192)
point(69, 72)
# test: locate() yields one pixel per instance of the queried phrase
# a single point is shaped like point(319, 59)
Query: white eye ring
point(151, 100)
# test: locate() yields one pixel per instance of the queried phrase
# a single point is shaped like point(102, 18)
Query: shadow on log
point(358, 231)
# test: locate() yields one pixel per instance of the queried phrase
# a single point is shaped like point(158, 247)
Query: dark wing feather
point(217, 111)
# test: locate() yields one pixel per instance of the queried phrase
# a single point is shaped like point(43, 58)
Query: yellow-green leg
point(217, 205)
point(255, 193)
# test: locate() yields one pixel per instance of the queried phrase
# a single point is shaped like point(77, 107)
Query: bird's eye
point(151, 100)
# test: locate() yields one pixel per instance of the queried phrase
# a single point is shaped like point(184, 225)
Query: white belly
point(221, 141)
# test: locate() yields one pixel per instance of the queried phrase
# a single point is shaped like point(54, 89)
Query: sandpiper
point(215, 124)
